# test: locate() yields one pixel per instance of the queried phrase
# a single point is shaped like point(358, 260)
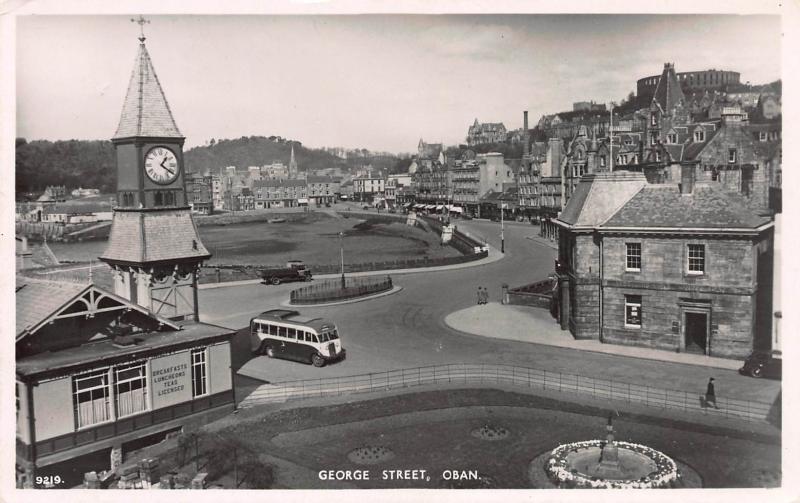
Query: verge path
point(529, 324)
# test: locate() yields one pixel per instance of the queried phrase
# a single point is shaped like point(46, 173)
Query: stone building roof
point(707, 206)
point(668, 90)
point(599, 195)
point(145, 111)
point(144, 237)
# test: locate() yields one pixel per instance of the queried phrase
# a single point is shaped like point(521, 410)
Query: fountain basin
point(577, 465)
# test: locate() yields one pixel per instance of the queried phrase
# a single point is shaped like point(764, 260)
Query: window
point(658, 156)
point(602, 162)
point(628, 141)
point(731, 155)
point(90, 397)
point(699, 135)
point(653, 119)
point(633, 311)
point(293, 333)
point(130, 383)
point(697, 259)
point(199, 372)
point(762, 136)
point(633, 256)
point(672, 138)
point(653, 138)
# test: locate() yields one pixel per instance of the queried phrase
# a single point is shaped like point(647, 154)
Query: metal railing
point(332, 289)
point(474, 374)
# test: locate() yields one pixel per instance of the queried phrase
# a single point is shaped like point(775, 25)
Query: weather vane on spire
point(141, 22)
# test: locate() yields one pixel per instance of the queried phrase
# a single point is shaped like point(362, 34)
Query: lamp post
point(341, 254)
point(502, 229)
point(611, 136)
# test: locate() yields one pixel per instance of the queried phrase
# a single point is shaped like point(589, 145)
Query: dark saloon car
point(763, 364)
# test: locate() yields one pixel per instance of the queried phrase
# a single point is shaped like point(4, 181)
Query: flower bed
point(557, 468)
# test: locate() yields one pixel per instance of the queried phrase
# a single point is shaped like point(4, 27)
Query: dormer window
point(653, 138)
point(672, 138)
point(731, 155)
point(762, 136)
point(628, 141)
point(658, 156)
point(653, 119)
point(699, 135)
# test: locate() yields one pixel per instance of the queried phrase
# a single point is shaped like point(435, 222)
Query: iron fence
point(333, 290)
point(475, 374)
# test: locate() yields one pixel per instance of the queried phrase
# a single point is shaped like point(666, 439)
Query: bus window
point(314, 338)
point(292, 333)
point(282, 332)
point(333, 335)
point(309, 337)
point(323, 337)
point(273, 329)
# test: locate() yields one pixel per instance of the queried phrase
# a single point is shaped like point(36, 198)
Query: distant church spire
point(292, 165)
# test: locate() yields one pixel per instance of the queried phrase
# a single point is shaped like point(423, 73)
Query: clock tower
point(154, 249)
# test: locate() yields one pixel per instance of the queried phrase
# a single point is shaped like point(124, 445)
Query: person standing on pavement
point(485, 295)
point(480, 295)
point(711, 396)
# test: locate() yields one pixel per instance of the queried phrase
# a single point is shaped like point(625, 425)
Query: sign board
point(171, 379)
point(447, 233)
point(411, 219)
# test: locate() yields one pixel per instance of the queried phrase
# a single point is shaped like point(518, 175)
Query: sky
point(379, 82)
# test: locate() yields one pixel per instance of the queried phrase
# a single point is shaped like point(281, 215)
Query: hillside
point(256, 151)
point(73, 163)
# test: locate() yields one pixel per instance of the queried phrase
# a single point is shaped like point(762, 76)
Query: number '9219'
point(49, 480)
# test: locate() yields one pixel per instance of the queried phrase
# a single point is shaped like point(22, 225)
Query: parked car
point(763, 364)
point(365, 207)
point(295, 270)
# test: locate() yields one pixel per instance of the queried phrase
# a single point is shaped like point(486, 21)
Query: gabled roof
point(145, 111)
point(708, 206)
point(144, 237)
point(39, 301)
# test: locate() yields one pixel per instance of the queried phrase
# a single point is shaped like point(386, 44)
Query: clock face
point(161, 165)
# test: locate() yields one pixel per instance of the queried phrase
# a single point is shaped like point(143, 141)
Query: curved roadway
point(406, 329)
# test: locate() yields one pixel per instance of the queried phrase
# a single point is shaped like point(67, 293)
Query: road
point(406, 329)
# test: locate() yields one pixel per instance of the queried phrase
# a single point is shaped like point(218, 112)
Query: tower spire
point(141, 22)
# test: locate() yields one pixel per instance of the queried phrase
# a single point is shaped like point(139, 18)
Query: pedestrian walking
point(485, 295)
point(480, 295)
point(711, 396)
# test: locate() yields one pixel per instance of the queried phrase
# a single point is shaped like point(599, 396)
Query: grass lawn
point(432, 431)
point(312, 237)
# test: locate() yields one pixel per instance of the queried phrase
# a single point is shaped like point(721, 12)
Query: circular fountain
point(606, 464)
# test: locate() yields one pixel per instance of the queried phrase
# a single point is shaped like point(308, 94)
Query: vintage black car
point(763, 364)
point(295, 270)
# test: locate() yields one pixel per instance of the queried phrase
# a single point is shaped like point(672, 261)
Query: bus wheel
point(317, 360)
point(271, 352)
point(276, 280)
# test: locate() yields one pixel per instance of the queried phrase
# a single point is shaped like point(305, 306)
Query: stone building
point(682, 267)
point(489, 132)
point(279, 193)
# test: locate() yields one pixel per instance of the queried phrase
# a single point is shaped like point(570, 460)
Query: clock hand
point(171, 172)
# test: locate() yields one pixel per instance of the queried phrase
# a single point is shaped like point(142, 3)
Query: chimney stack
point(687, 179)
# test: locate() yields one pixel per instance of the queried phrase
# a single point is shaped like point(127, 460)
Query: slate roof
point(38, 299)
point(78, 208)
point(600, 195)
point(279, 183)
point(707, 207)
point(153, 236)
point(145, 111)
point(668, 90)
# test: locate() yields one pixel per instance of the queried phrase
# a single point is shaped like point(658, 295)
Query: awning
point(439, 207)
point(430, 206)
point(406, 205)
point(457, 209)
point(302, 200)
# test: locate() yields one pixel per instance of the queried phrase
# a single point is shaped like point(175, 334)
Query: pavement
point(530, 324)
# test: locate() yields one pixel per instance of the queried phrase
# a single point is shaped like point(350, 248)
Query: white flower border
point(666, 474)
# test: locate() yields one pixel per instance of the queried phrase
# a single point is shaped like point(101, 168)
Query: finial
point(141, 22)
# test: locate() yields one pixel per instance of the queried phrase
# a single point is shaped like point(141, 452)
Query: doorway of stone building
point(696, 333)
